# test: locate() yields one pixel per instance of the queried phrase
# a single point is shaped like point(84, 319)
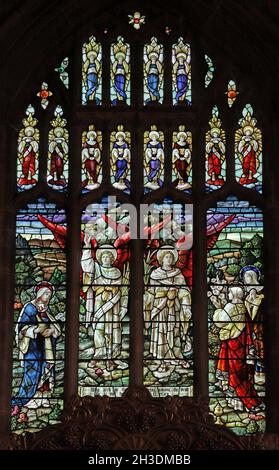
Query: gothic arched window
point(139, 229)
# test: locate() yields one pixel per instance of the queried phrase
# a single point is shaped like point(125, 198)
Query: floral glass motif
point(136, 20)
point(104, 323)
point(39, 317)
point(215, 149)
point(91, 159)
point(28, 152)
point(120, 86)
point(248, 151)
point(153, 71)
point(231, 93)
point(181, 72)
point(63, 73)
point(44, 94)
point(210, 71)
point(181, 159)
point(235, 316)
point(92, 72)
point(120, 159)
point(58, 149)
point(153, 159)
point(168, 349)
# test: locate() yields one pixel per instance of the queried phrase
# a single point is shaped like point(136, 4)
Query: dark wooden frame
point(195, 24)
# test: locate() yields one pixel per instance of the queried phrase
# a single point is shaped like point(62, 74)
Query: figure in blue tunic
point(153, 71)
point(120, 70)
point(36, 334)
point(121, 161)
point(181, 72)
point(91, 76)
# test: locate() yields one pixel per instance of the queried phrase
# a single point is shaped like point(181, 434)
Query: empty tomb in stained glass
point(235, 317)
point(28, 152)
point(39, 317)
point(104, 321)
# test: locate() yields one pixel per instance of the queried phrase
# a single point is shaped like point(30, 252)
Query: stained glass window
point(168, 351)
point(143, 153)
point(91, 159)
point(28, 152)
point(58, 159)
point(248, 151)
point(39, 317)
point(181, 72)
point(181, 159)
point(231, 92)
point(120, 160)
point(210, 71)
point(215, 153)
point(92, 72)
point(235, 316)
point(153, 159)
point(63, 73)
point(153, 70)
point(104, 322)
point(120, 72)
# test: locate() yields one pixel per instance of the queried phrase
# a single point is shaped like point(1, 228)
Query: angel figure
point(120, 158)
point(181, 70)
point(168, 308)
point(248, 147)
point(104, 273)
point(58, 150)
point(154, 158)
point(105, 280)
point(28, 147)
point(153, 70)
point(120, 70)
point(91, 70)
point(91, 158)
point(215, 151)
point(181, 157)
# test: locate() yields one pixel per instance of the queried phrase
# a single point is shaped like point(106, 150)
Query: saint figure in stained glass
point(181, 158)
point(248, 148)
point(36, 334)
point(28, 151)
point(120, 72)
point(58, 151)
point(181, 72)
point(91, 72)
point(120, 158)
point(91, 158)
point(168, 308)
point(215, 152)
point(153, 72)
point(153, 158)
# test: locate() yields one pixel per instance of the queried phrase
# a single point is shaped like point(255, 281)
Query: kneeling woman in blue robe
point(36, 335)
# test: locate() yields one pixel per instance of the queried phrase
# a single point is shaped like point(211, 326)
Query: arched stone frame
point(235, 45)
